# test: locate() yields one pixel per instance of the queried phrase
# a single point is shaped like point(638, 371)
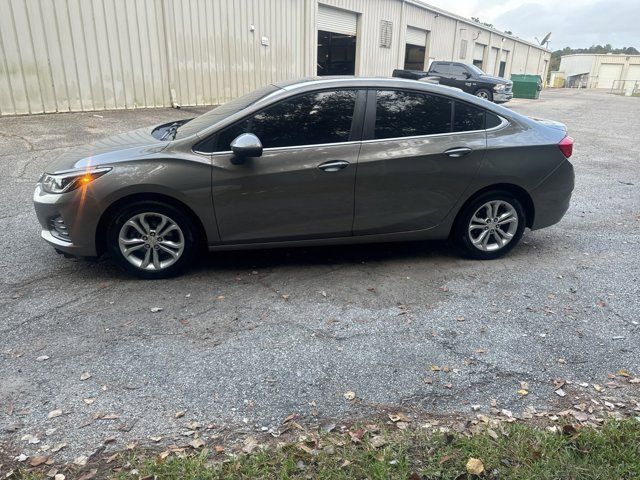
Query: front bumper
point(502, 97)
point(78, 212)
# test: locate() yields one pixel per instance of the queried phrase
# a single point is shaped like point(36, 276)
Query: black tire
point(484, 93)
point(183, 221)
point(461, 236)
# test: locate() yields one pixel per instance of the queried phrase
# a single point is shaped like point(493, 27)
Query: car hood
point(124, 146)
point(493, 79)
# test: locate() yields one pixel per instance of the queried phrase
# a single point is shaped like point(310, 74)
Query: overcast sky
point(573, 23)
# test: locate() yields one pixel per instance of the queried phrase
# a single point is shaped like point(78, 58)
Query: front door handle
point(458, 152)
point(333, 165)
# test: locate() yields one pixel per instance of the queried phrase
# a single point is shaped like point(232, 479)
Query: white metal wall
point(84, 55)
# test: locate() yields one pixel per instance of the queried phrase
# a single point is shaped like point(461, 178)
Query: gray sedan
point(311, 162)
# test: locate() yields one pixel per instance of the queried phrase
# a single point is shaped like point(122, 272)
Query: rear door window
point(458, 72)
point(440, 68)
point(407, 114)
point(310, 119)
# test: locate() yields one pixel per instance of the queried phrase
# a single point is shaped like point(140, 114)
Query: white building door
point(608, 73)
point(493, 60)
point(478, 55)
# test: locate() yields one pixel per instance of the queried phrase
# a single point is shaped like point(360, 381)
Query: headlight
point(500, 86)
point(65, 182)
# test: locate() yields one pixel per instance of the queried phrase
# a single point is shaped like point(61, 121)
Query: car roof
point(315, 83)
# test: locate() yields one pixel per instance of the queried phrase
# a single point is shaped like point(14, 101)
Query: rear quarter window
point(468, 117)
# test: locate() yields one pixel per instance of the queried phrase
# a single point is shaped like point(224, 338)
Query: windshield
point(475, 70)
point(223, 111)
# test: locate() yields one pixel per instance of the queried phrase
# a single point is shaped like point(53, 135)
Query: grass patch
point(521, 451)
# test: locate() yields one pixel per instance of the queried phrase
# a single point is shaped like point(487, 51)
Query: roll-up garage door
point(608, 73)
point(633, 73)
point(478, 51)
point(416, 36)
point(336, 20)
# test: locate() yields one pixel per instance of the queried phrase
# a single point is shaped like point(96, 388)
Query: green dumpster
point(526, 86)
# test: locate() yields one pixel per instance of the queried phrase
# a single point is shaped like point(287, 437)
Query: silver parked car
point(311, 162)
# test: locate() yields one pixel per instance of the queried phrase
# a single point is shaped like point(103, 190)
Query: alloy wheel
point(482, 94)
point(151, 241)
point(493, 225)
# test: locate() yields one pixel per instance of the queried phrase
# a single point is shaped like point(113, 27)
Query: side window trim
point(355, 132)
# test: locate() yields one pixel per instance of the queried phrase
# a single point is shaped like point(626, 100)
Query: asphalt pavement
point(245, 339)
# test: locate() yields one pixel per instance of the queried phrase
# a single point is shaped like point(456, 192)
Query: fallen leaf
point(250, 444)
point(435, 368)
point(197, 443)
point(623, 373)
point(59, 476)
point(378, 441)
point(81, 461)
point(85, 376)
point(475, 466)
point(58, 447)
point(523, 392)
point(349, 395)
point(492, 433)
point(285, 297)
point(88, 401)
point(156, 309)
point(89, 475)
point(219, 448)
point(560, 392)
point(32, 439)
point(635, 380)
point(356, 435)
point(396, 417)
point(37, 461)
point(155, 438)
point(42, 358)
point(580, 416)
point(444, 459)
point(180, 414)
point(54, 413)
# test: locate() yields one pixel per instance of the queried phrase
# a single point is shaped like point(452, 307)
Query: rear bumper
point(552, 197)
point(77, 210)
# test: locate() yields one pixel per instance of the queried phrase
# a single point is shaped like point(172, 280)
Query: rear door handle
point(458, 152)
point(333, 165)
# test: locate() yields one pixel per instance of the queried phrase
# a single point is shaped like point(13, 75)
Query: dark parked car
point(312, 162)
point(467, 78)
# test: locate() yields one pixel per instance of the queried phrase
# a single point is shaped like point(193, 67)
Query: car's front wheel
point(489, 226)
point(152, 239)
point(484, 93)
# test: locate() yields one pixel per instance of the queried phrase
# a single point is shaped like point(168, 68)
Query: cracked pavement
point(247, 338)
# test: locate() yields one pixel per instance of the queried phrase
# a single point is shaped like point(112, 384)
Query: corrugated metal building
point(609, 71)
point(84, 55)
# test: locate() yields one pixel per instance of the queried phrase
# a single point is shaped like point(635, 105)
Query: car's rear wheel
point(484, 93)
point(489, 226)
point(152, 239)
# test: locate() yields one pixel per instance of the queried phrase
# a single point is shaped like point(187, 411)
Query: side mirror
point(246, 145)
point(467, 75)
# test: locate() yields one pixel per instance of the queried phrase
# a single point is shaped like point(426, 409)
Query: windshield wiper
point(172, 130)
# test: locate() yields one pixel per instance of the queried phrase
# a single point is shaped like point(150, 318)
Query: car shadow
point(325, 255)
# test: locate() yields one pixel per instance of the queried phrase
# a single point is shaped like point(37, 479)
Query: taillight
point(566, 146)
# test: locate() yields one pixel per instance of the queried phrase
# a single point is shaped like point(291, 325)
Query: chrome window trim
point(292, 147)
